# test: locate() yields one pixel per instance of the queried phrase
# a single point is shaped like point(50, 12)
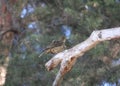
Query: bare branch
point(68, 57)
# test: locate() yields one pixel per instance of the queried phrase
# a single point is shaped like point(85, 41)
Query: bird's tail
point(42, 53)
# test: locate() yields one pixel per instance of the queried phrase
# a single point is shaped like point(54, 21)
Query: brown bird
point(56, 46)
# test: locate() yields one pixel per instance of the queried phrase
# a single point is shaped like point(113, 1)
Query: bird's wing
point(56, 44)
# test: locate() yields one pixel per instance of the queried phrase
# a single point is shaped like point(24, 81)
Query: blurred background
point(28, 26)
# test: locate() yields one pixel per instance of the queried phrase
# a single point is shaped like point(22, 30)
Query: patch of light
point(119, 81)
point(32, 25)
point(117, 1)
point(108, 84)
point(116, 62)
point(66, 30)
point(23, 13)
point(23, 56)
point(43, 5)
point(86, 6)
point(25, 10)
point(30, 9)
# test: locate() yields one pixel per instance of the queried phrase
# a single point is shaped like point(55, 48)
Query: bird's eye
point(53, 50)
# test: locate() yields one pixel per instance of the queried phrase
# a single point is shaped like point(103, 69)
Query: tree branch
point(68, 57)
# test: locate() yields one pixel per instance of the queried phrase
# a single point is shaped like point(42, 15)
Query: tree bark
point(5, 38)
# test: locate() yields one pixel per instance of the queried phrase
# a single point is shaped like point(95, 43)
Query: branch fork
point(68, 57)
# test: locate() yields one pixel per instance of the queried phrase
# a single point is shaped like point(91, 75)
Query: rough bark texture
point(68, 57)
point(6, 37)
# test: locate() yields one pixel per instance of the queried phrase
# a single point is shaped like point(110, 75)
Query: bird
point(55, 46)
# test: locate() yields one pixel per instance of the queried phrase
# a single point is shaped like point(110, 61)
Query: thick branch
point(68, 57)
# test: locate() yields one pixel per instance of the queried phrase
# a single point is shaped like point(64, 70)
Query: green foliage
point(83, 16)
